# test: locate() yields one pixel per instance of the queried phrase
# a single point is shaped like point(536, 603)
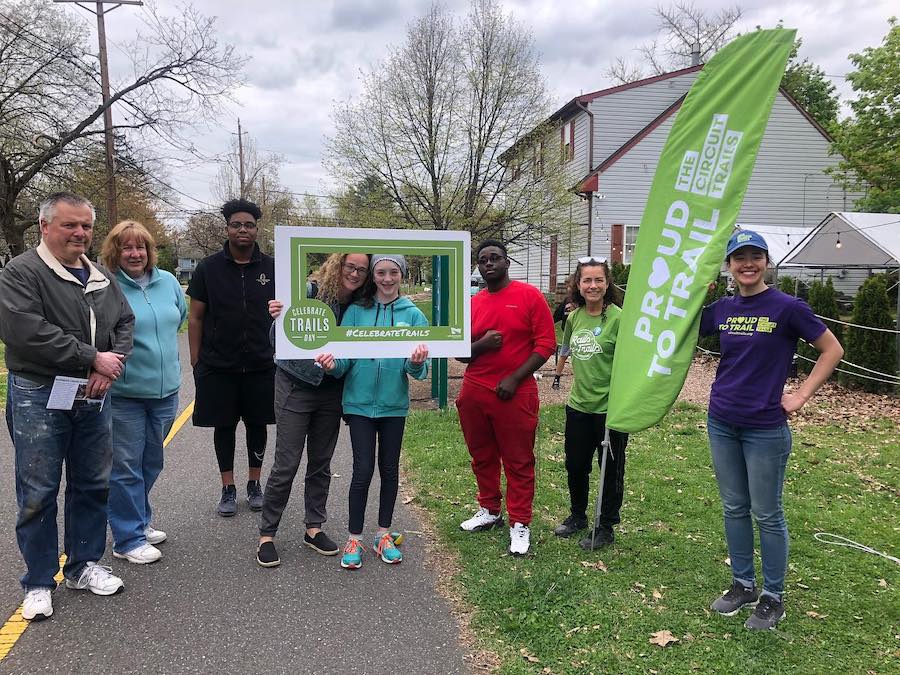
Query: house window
point(631, 233)
point(567, 141)
point(516, 168)
point(537, 160)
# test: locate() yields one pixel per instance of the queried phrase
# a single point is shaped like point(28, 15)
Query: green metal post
point(440, 312)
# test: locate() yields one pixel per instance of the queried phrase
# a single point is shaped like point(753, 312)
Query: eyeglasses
point(491, 259)
point(246, 226)
point(589, 259)
point(350, 268)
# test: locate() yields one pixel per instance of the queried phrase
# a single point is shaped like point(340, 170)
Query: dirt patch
point(695, 390)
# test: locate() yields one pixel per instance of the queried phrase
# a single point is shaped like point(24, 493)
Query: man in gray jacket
point(61, 315)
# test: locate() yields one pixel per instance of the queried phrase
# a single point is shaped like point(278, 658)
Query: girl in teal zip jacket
point(376, 402)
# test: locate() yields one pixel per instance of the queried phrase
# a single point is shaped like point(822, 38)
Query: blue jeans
point(43, 440)
point(139, 426)
point(749, 466)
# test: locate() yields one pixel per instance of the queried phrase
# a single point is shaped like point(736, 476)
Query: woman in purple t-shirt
point(749, 437)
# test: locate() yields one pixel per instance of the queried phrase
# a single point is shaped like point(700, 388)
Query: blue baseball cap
point(743, 238)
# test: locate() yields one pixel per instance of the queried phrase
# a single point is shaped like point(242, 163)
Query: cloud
point(306, 57)
point(364, 15)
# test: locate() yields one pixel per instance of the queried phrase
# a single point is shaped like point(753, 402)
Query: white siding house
point(619, 134)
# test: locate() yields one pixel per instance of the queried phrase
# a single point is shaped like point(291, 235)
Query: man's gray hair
point(48, 206)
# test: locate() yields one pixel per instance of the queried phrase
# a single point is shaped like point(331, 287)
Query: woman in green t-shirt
point(590, 336)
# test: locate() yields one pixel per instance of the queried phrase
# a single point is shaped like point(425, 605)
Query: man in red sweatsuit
point(513, 336)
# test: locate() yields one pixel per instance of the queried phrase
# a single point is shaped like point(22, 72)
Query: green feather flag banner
point(693, 205)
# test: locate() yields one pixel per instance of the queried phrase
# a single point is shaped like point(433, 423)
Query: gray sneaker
point(254, 495)
point(228, 503)
point(736, 597)
point(767, 614)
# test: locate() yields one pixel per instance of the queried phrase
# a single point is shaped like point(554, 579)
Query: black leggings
point(363, 433)
point(584, 435)
point(224, 440)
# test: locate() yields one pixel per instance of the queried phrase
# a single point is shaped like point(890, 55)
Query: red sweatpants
point(501, 432)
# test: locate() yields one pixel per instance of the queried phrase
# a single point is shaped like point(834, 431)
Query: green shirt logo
point(583, 344)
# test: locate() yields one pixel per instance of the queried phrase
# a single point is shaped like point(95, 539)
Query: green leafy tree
point(876, 350)
point(870, 140)
point(810, 87)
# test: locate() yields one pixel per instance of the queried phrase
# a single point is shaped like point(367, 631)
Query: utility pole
point(241, 157)
point(112, 208)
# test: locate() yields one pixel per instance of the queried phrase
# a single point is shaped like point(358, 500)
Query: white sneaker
point(482, 520)
point(154, 536)
point(38, 605)
point(519, 539)
point(97, 579)
point(142, 555)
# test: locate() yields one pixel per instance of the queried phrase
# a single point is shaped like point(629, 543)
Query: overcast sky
point(307, 56)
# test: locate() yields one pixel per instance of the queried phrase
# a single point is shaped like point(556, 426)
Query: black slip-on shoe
point(267, 555)
point(321, 543)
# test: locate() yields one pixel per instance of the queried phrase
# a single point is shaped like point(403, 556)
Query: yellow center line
point(176, 426)
point(15, 626)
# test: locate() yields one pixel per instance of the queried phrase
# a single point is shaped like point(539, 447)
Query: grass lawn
point(565, 610)
point(426, 307)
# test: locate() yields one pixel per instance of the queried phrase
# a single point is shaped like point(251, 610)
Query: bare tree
point(50, 94)
point(203, 233)
point(436, 121)
point(682, 28)
point(261, 186)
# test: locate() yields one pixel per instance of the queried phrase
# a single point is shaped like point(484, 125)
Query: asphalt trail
point(208, 607)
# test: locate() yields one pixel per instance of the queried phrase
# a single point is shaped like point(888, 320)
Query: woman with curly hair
point(308, 411)
point(590, 336)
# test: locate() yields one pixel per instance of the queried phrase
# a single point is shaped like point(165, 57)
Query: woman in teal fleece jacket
point(376, 402)
point(144, 399)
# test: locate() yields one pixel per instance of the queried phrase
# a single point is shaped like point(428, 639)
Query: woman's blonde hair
point(329, 279)
point(126, 231)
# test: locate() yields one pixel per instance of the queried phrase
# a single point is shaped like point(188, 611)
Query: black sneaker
point(266, 555)
point(228, 502)
point(602, 536)
point(254, 495)
point(321, 543)
point(767, 614)
point(736, 597)
point(570, 526)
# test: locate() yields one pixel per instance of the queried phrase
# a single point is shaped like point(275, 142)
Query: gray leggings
point(302, 415)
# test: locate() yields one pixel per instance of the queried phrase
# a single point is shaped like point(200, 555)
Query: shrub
point(875, 350)
point(823, 301)
point(786, 285)
point(711, 342)
point(620, 273)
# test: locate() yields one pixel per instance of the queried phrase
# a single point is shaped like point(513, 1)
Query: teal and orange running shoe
point(352, 558)
point(387, 550)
